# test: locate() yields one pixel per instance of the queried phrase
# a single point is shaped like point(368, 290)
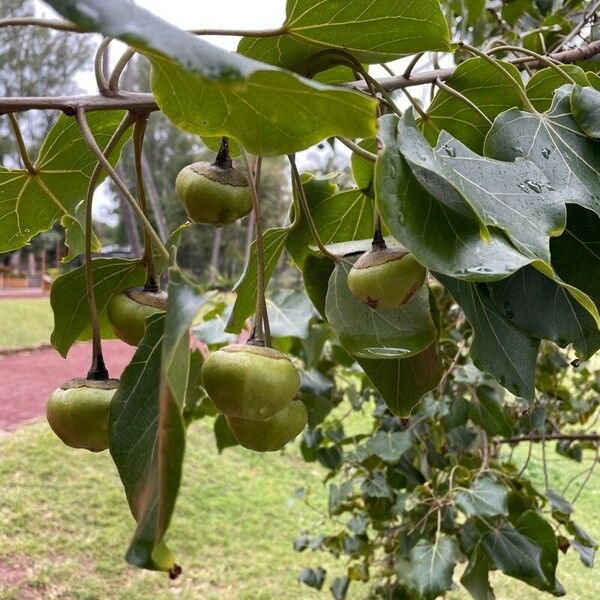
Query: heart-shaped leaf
point(389, 30)
point(211, 92)
point(432, 565)
point(542, 85)
point(31, 203)
point(585, 103)
point(513, 197)
point(499, 348)
point(69, 300)
point(485, 498)
point(479, 81)
point(369, 333)
point(402, 383)
point(440, 238)
point(543, 309)
point(553, 141)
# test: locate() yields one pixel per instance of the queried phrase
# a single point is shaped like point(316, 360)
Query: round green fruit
point(78, 412)
point(128, 311)
point(214, 194)
point(386, 278)
point(272, 434)
point(250, 382)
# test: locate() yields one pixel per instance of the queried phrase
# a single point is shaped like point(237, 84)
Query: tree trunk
point(154, 199)
point(215, 257)
point(249, 237)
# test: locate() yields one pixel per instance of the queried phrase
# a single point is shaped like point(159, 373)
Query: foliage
point(491, 188)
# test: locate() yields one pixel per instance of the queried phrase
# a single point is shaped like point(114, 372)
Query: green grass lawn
point(64, 525)
point(25, 322)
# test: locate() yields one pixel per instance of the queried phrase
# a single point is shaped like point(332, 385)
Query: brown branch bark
point(137, 102)
point(570, 437)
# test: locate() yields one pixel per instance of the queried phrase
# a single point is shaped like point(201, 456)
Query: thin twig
point(587, 16)
point(357, 149)
point(547, 60)
point(411, 65)
point(98, 65)
point(496, 64)
point(572, 437)
point(261, 318)
point(98, 368)
point(21, 144)
point(588, 476)
point(93, 145)
point(464, 99)
point(305, 209)
point(113, 82)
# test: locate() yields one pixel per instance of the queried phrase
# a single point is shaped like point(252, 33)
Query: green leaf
point(514, 554)
point(211, 92)
point(533, 526)
point(316, 273)
point(542, 85)
point(485, 498)
point(68, 297)
point(476, 578)
point(339, 217)
point(313, 578)
point(553, 141)
point(149, 465)
point(246, 287)
point(440, 238)
point(213, 331)
point(223, 435)
point(499, 348)
point(339, 588)
point(512, 196)
point(585, 104)
point(389, 30)
point(479, 81)
point(290, 313)
point(543, 309)
point(486, 411)
point(559, 503)
point(184, 301)
point(432, 565)
point(147, 429)
point(403, 382)
point(30, 204)
point(575, 255)
point(363, 170)
point(369, 333)
point(389, 446)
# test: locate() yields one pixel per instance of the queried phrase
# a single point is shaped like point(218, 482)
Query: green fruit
point(250, 382)
point(214, 194)
point(273, 433)
point(127, 312)
point(386, 279)
point(78, 412)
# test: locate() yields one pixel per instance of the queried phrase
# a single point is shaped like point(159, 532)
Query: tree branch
point(569, 437)
point(138, 102)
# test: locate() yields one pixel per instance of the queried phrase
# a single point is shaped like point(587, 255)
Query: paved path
point(28, 378)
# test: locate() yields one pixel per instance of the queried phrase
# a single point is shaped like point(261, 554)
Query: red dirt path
point(28, 378)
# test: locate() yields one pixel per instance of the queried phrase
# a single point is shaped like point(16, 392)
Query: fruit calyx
point(157, 299)
point(97, 384)
point(385, 278)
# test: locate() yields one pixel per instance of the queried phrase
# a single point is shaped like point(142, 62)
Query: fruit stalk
point(262, 329)
point(98, 370)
